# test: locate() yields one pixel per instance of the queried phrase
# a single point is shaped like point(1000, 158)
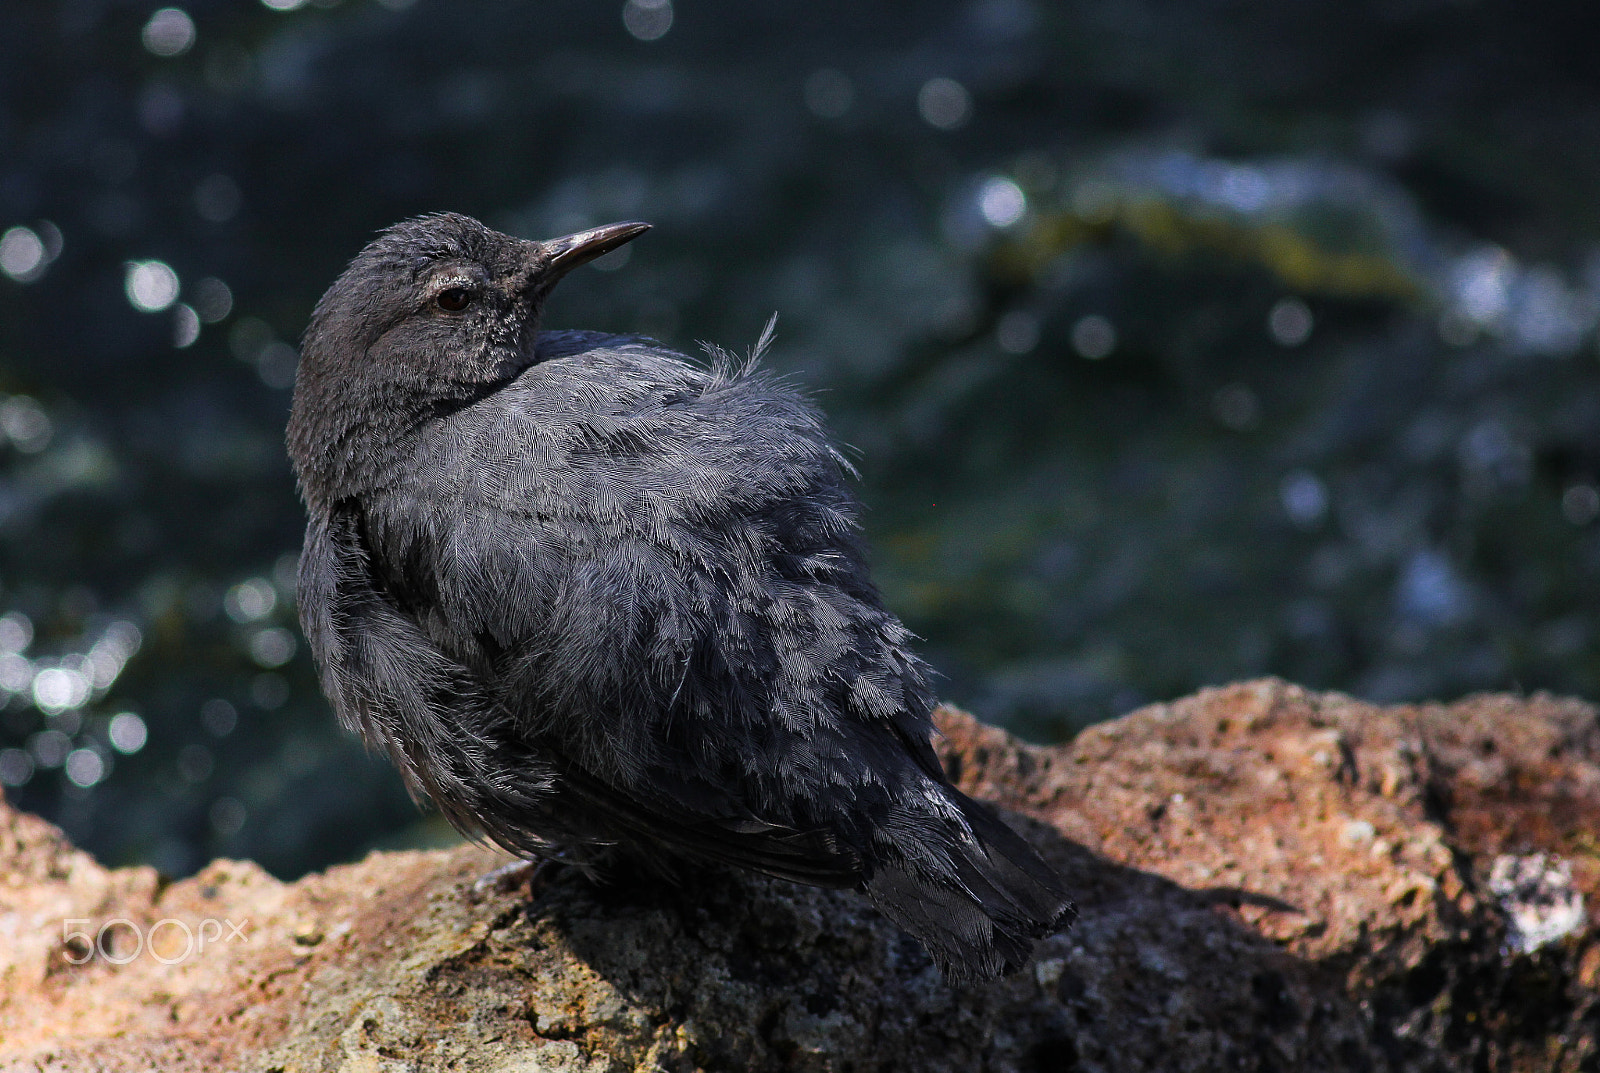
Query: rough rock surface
point(1268, 879)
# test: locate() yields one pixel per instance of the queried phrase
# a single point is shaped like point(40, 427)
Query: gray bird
point(591, 596)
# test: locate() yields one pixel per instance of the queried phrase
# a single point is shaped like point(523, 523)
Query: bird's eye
point(453, 299)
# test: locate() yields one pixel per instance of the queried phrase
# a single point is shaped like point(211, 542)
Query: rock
point(1268, 879)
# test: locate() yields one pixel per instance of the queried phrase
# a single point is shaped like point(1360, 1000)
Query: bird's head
point(435, 309)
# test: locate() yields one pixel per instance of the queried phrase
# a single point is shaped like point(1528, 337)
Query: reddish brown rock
point(1268, 879)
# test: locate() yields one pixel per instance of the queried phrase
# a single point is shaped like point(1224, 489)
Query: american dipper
point(590, 596)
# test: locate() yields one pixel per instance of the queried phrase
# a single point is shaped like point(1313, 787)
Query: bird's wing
point(663, 588)
point(455, 742)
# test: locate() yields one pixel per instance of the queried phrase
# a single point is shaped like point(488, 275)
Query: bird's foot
point(533, 874)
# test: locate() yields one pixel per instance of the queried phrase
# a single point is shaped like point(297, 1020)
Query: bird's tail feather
point(974, 893)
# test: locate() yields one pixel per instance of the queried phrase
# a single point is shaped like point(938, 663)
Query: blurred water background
point(1178, 342)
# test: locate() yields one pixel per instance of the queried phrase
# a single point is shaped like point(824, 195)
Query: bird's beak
point(570, 251)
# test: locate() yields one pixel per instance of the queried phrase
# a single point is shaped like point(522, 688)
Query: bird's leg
point(534, 873)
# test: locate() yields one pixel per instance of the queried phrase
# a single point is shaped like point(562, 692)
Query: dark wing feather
point(773, 851)
point(457, 744)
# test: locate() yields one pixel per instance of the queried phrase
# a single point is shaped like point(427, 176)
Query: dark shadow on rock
point(815, 977)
